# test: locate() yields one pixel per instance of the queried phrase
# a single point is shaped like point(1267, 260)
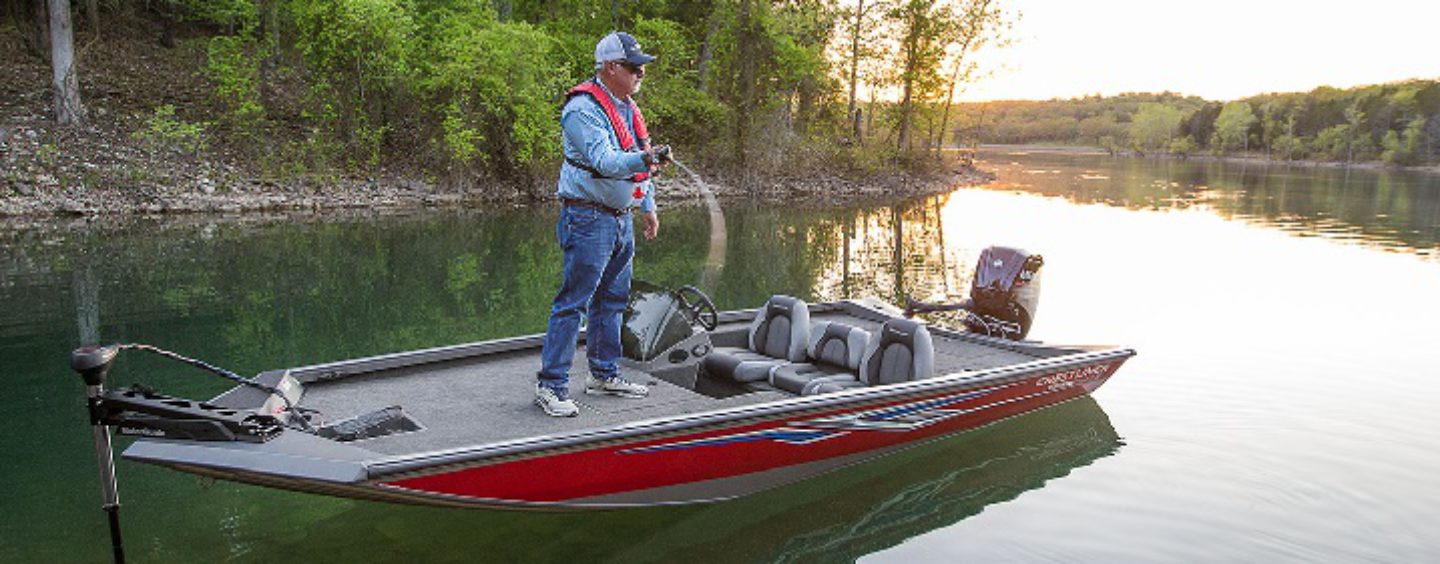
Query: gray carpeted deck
point(490, 399)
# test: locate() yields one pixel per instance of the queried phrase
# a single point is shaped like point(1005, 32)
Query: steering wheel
point(698, 306)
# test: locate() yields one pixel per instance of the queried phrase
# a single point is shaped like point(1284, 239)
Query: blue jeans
point(598, 250)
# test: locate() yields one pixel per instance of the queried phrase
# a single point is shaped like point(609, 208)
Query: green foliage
point(1153, 127)
point(1182, 146)
point(1404, 147)
point(233, 66)
point(674, 106)
point(497, 84)
point(228, 13)
point(48, 154)
point(1332, 143)
point(357, 54)
point(1232, 126)
point(468, 89)
point(1077, 121)
point(1396, 123)
point(165, 132)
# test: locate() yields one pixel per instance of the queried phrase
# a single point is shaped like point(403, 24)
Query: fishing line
point(715, 256)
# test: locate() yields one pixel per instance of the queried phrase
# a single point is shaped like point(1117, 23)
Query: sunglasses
point(637, 70)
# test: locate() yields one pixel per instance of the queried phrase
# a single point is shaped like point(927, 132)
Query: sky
point(1215, 49)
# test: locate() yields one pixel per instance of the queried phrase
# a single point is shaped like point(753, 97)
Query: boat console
point(667, 332)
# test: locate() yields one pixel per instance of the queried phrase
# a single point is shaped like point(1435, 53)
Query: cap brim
point(639, 59)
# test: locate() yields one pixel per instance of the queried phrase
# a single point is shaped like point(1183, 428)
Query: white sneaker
point(552, 404)
point(616, 386)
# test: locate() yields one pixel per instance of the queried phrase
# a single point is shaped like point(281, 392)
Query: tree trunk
point(857, 120)
point(270, 38)
point(92, 13)
point(707, 50)
point(41, 44)
point(747, 93)
point(62, 61)
point(167, 24)
point(855, 55)
point(905, 111)
point(911, 46)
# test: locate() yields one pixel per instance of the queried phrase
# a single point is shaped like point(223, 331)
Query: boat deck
point(489, 398)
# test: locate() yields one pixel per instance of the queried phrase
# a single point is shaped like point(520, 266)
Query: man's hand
point(651, 223)
point(657, 156)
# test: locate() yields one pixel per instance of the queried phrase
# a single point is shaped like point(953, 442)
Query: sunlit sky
point(1216, 49)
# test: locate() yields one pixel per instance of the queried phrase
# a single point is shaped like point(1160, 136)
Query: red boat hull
point(740, 457)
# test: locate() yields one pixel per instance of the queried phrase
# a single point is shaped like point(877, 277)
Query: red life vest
point(627, 141)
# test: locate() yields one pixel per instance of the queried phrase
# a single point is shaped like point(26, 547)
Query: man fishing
point(606, 175)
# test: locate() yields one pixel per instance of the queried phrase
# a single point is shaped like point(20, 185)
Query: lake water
point(1281, 409)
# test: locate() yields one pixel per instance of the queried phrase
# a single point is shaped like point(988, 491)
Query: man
point(608, 159)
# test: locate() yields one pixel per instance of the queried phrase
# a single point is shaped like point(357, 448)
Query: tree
point(1153, 127)
point(981, 21)
point(1232, 127)
point(923, 25)
point(92, 13)
point(1182, 146)
point(1353, 118)
point(64, 81)
point(859, 26)
point(40, 36)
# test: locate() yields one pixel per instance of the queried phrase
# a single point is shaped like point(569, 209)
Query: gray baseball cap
point(620, 46)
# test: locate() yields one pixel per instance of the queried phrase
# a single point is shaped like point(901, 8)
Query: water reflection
point(1390, 209)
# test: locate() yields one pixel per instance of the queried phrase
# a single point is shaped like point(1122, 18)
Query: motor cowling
point(1005, 292)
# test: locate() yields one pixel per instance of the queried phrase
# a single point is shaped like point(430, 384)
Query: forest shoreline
point(100, 173)
point(1255, 159)
point(113, 165)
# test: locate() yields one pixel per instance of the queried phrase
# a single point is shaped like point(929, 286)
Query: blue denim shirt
point(589, 139)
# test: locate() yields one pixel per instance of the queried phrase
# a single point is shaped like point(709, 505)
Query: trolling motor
point(1004, 294)
point(142, 412)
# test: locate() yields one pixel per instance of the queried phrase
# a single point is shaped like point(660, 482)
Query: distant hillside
point(1396, 123)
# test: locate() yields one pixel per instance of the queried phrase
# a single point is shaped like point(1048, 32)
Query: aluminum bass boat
point(740, 402)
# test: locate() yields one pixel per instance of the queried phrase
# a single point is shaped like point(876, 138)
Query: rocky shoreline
point(92, 177)
point(99, 170)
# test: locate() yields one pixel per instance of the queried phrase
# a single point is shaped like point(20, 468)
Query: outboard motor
point(1005, 292)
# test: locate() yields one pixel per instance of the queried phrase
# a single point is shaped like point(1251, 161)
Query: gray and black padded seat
point(900, 351)
point(777, 336)
point(834, 351)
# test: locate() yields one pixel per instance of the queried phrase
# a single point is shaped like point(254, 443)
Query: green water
point(1279, 410)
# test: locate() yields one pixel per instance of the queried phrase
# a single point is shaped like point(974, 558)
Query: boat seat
point(777, 336)
point(901, 351)
point(834, 352)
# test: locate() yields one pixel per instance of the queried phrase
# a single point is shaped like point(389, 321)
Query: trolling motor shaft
point(93, 365)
